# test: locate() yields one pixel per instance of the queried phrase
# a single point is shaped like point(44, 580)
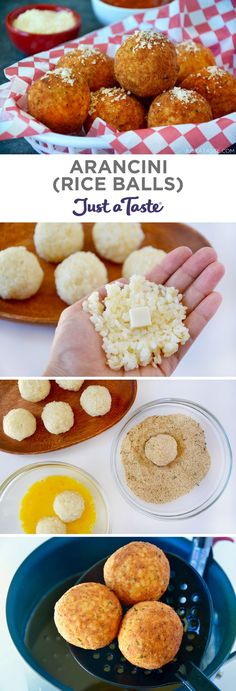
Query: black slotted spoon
point(189, 596)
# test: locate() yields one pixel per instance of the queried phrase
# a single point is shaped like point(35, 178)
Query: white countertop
point(24, 347)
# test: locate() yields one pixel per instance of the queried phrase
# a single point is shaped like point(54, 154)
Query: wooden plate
point(45, 307)
point(123, 395)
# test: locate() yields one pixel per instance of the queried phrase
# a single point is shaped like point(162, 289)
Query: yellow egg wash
point(38, 501)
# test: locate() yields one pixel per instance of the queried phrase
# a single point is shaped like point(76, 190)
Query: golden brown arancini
point(150, 635)
point(192, 57)
point(88, 615)
point(178, 106)
point(217, 86)
point(60, 99)
point(138, 571)
point(120, 110)
point(96, 67)
point(146, 64)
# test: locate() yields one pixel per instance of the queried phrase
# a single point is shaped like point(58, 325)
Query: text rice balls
point(56, 241)
point(117, 108)
point(34, 390)
point(78, 275)
point(178, 106)
point(96, 400)
point(192, 57)
point(88, 615)
point(150, 635)
point(96, 67)
point(146, 64)
point(142, 261)
point(57, 417)
point(136, 572)
point(20, 274)
point(217, 87)
point(60, 100)
point(70, 384)
point(19, 424)
point(115, 241)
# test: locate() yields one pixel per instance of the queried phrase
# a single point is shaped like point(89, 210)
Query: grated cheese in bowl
point(44, 21)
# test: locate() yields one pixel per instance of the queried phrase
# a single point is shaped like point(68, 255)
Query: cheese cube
point(139, 316)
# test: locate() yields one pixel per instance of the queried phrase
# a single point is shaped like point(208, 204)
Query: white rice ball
point(50, 525)
point(34, 390)
point(115, 241)
point(56, 241)
point(70, 384)
point(79, 275)
point(20, 274)
point(57, 417)
point(69, 506)
point(142, 261)
point(96, 400)
point(19, 424)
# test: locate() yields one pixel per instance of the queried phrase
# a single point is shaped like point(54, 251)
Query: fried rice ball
point(96, 67)
point(88, 615)
point(60, 99)
point(178, 106)
point(138, 571)
point(146, 64)
point(150, 635)
point(117, 108)
point(217, 86)
point(192, 57)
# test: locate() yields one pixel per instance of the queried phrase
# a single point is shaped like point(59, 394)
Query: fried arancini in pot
point(192, 57)
point(60, 99)
point(96, 67)
point(116, 107)
point(88, 615)
point(150, 635)
point(138, 571)
point(217, 86)
point(178, 106)
point(146, 64)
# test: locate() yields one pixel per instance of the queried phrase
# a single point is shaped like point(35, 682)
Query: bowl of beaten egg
point(53, 498)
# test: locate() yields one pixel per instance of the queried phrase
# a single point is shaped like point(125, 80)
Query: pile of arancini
point(150, 83)
point(90, 615)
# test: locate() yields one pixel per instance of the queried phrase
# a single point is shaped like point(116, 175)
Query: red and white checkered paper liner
point(212, 22)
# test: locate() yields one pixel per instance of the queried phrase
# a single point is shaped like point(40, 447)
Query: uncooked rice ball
point(57, 417)
point(115, 241)
point(161, 449)
point(96, 400)
point(51, 526)
point(142, 261)
point(78, 275)
point(19, 424)
point(56, 241)
point(70, 384)
point(34, 390)
point(20, 274)
point(69, 506)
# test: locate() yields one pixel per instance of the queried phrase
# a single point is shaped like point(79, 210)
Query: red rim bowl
point(35, 43)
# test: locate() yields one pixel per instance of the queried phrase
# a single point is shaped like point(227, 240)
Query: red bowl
point(35, 43)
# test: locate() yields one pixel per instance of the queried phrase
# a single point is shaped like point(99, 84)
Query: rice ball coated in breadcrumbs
point(142, 261)
point(217, 86)
point(115, 241)
point(70, 384)
point(138, 571)
point(50, 525)
point(56, 241)
point(79, 274)
point(20, 274)
point(69, 506)
point(117, 108)
point(60, 100)
point(178, 106)
point(96, 400)
point(88, 615)
point(146, 63)
point(19, 424)
point(34, 389)
point(96, 67)
point(192, 57)
point(57, 417)
point(150, 635)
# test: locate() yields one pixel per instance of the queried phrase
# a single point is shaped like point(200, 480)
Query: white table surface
point(24, 347)
point(94, 456)
point(12, 671)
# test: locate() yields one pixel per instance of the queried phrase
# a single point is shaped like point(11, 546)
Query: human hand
point(77, 347)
